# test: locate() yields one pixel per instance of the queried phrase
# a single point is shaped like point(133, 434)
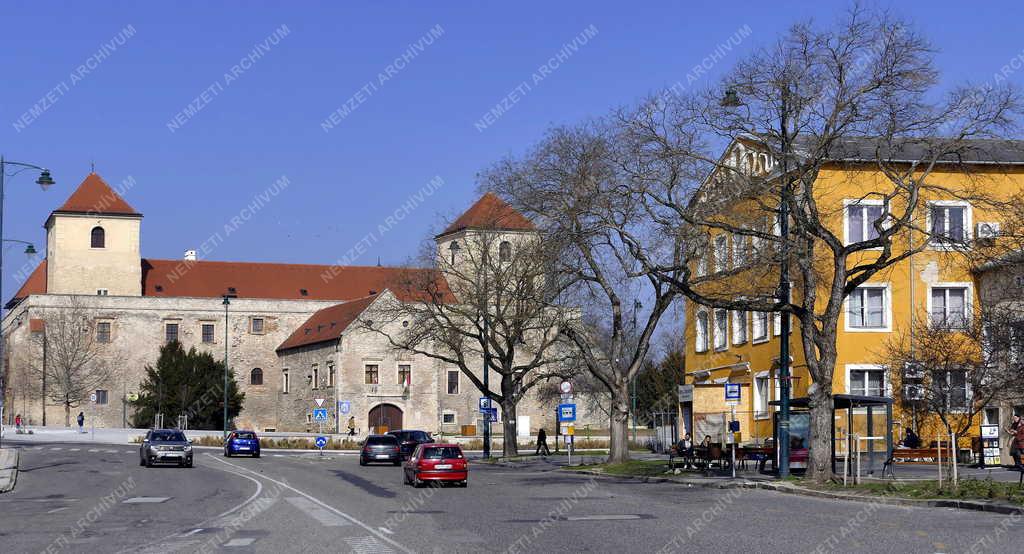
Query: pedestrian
point(17, 424)
point(81, 422)
point(911, 440)
point(352, 426)
point(542, 443)
point(1012, 430)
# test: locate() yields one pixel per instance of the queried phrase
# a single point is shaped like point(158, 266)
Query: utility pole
point(784, 377)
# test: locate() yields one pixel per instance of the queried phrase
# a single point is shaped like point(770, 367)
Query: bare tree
point(855, 101)
point(570, 184)
point(488, 302)
point(958, 368)
point(76, 363)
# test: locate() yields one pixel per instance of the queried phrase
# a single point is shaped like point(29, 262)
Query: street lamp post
point(732, 100)
point(43, 181)
point(226, 303)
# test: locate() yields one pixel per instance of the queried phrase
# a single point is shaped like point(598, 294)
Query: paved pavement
point(75, 498)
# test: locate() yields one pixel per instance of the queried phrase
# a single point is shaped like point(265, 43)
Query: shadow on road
point(364, 484)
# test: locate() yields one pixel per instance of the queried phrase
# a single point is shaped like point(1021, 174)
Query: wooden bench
point(917, 455)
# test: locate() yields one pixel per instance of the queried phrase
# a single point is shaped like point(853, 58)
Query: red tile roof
point(94, 196)
point(35, 284)
point(169, 278)
point(327, 324)
point(490, 212)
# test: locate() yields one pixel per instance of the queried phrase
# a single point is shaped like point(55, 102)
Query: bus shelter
point(862, 432)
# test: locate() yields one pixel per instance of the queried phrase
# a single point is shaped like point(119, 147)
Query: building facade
point(287, 330)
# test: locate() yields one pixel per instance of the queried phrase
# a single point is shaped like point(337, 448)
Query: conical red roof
point(94, 196)
point(490, 212)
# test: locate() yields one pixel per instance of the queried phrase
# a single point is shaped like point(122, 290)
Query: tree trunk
point(819, 459)
point(67, 414)
point(618, 446)
point(510, 446)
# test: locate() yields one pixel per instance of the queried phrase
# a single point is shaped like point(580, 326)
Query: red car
point(438, 463)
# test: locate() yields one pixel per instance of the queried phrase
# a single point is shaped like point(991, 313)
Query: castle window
point(372, 374)
point(256, 376)
point(256, 326)
point(285, 382)
point(171, 332)
point(99, 236)
point(454, 247)
point(103, 331)
point(505, 251)
point(208, 332)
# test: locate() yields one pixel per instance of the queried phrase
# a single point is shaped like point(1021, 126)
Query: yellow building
point(933, 285)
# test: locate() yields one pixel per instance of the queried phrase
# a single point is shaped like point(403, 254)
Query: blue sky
point(265, 122)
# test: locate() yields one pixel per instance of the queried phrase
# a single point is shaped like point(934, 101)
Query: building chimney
point(190, 255)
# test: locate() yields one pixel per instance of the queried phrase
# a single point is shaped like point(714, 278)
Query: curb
point(9, 469)
point(973, 505)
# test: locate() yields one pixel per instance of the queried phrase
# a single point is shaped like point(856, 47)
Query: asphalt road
point(79, 500)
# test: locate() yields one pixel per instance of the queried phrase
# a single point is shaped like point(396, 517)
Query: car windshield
point(381, 440)
point(438, 453)
point(176, 436)
point(421, 436)
point(245, 435)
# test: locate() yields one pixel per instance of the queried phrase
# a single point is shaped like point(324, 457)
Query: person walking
point(352, 426)
point(542, 443)
point(17, 423)
point(81, 422)
point(1015, 446)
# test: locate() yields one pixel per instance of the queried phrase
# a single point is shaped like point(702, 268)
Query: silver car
point(165, 446)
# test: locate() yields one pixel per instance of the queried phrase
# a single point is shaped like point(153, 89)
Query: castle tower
point(92, 243)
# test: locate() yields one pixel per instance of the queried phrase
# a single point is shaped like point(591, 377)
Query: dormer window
point(98, 237)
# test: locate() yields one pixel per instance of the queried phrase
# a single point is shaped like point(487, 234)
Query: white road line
point(366, 545)
point(111, 451)
point(146, 500)
point(246, 541)
point(73, 449)
point(57, 448)
point(331, 508)
point(326, 518)
point(603, 517)
point(94, 450)
point(192, 532)
point(55, 510)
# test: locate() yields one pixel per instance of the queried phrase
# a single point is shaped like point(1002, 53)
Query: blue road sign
point(321, 442)
point(732, 391)
point(491, 414)
point(320, 414)
point(344, 407)
point(485, 403)
point(566, 412)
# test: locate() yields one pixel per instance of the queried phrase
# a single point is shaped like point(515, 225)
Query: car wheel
point(188, 464)
point(417, 482)
point(227, 454)
point(362, 461)
point(256, 455)
point(146, 462)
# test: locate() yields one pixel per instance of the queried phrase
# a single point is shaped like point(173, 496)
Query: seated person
point(911, 440)
point(683, 449)
point(706, 443)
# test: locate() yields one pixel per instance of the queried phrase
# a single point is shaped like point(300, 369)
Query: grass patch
point(969, 489)
point(638, 468)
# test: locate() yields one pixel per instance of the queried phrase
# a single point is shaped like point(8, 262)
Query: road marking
point(37, 448)
point(56, 448)
point(74, 449)
point(240, 542)
point(55, 510)
point(94, 450)
point(335, 510)
point(128, 451)
point(386, 530)
point(603, 517)
point(326, 518)
point(366, 545)
point(192, 532)
point(146, 500)
point(111, 451)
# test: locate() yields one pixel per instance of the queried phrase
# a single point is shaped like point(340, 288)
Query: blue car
point(242, 442)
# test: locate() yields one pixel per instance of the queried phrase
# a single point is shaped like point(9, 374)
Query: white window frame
point(739, 324)
point(286, 382)
point(968, 299)
point(968, 222)
point(968, 396)
point(767, 332)
point(701, 344)
point(458, 382)
point(740, 250)
point(723, 332)
point(761, 407)
point(453, 413)
point(720, 246)
point(886, 306)
point(315, 368)
point(868, 225)
point(886, 380)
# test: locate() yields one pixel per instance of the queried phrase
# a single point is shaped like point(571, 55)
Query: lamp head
point(731, 99)
point(30, 250)
point(44, 179)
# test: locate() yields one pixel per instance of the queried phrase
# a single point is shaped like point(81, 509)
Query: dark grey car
point(380, 448)
point(164, 446)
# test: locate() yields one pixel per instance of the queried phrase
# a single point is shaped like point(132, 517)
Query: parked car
point(437, 463)
point(409, 439)
point(242, 442)
point(165, 446)
point(380, 448)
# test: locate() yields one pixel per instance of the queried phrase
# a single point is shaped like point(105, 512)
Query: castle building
point(289, 327)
